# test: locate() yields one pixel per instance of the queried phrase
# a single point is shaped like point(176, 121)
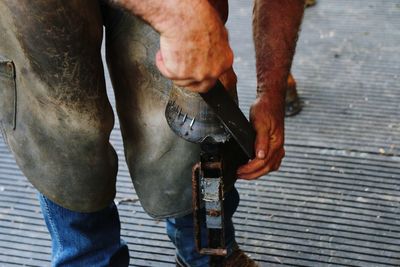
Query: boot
point(237, 259)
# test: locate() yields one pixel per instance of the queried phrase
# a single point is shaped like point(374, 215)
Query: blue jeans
point(84, 239)
point(180, 231)
point(93, 239)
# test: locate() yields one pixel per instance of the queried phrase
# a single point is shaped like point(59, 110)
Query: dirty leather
point(8, 96)
point(160, 163)
point(64, 118)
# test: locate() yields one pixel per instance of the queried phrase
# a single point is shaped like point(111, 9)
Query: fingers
point(269, 154)
point(256, 168)
point(252, 165)
point(261, 148)
point(260, 160)
point(190, 84)
point(262, 143)
point(199, 87)
point(200, 81)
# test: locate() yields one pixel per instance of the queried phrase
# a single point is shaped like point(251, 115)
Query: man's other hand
point(267, 117)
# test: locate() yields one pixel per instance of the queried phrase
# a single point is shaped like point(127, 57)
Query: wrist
point(190, 20)
point(163, 15)
point(272, 85)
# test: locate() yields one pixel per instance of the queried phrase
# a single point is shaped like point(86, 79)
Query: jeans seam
point(52, 225)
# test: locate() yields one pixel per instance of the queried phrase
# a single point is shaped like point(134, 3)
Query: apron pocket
point(8, 97)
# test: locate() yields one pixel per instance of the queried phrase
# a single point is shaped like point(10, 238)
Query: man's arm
point(194, 48)
point(275, 28)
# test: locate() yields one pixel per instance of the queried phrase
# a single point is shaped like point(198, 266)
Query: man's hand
point(194, 53)
point(194, 48)
point(275, 28)
point(267, 117)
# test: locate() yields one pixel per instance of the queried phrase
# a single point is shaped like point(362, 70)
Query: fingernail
point(261, 154)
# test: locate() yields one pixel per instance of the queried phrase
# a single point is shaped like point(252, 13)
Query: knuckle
point(203, 87)
point(181, 74)
point(277, 166)
point(278, 140)
point(200, 76)
point(205, 76)
point(182, 83)
point(230, 56)
point(283, 153)
point(267, 170)
point(216, 73)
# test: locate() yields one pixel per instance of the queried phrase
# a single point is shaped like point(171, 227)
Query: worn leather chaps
point(56, 117)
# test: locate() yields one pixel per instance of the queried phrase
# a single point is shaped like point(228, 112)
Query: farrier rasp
point(230, 115)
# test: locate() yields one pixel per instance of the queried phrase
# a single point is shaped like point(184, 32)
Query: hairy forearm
point(162, 14)
point(194, 48)
point(275, 29)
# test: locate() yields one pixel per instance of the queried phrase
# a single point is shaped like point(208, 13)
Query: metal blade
point(231, 117)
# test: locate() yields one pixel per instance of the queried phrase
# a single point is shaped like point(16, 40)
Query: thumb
point(261, 145)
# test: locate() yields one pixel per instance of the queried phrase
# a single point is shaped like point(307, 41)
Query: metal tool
point(230, 115)
point(208, 193)
point(212, 119)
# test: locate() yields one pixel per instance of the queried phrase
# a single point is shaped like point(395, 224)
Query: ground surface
point(335, 201)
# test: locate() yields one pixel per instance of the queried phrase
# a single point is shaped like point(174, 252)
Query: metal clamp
point(208, 193)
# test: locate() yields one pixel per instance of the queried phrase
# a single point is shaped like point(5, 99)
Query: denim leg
point(84, 239)
point(180, 231)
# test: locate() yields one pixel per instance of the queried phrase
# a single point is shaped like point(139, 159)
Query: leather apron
point(56, 118)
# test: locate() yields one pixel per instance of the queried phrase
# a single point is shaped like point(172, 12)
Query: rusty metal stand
point(208, 195)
